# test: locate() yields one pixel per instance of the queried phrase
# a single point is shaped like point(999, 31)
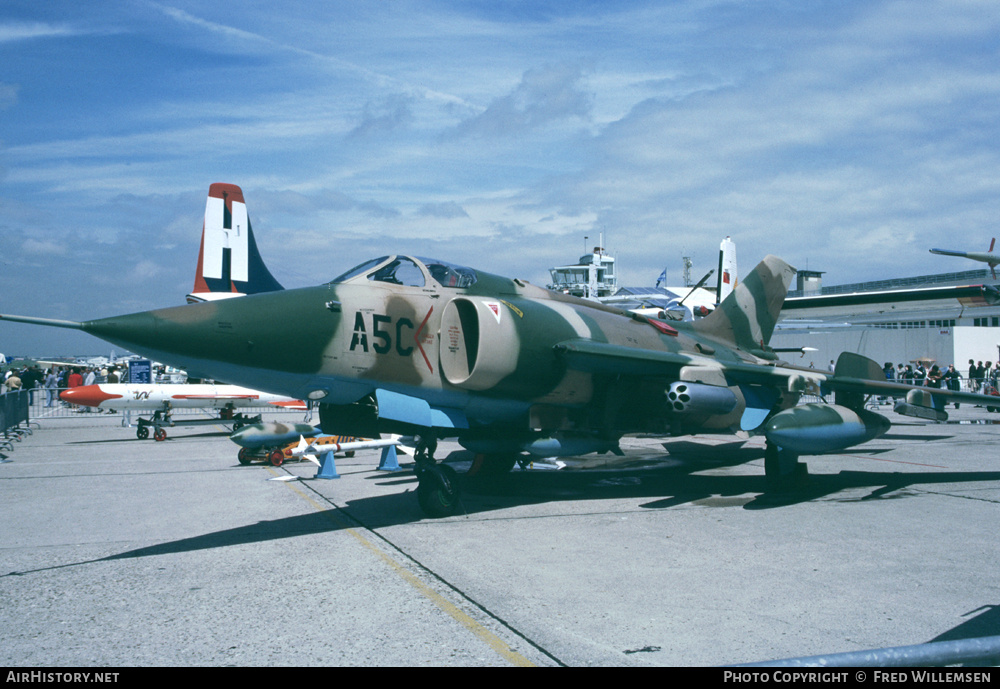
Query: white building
point(946, 319)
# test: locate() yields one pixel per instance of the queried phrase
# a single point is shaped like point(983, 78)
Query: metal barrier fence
point(980, 651)
point(14, 419)
point(13, 410)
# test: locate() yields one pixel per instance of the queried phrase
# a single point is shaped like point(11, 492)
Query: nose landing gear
point(438, 491)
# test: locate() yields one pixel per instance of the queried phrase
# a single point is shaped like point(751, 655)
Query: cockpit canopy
point(411, 271)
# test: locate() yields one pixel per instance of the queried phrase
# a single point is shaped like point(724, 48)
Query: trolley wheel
point(244, 456)
point(276, 458)
point(160, 434)
point(142, 433)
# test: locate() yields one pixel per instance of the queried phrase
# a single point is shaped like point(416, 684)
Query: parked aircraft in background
point(163, 399)
point(682, 304)
point(129, 396)
point(728, 277)
point(989, 257)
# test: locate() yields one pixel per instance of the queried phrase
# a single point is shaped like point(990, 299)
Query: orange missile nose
point(87, 395)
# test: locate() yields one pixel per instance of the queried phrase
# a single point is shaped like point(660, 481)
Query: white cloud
point(23, 31)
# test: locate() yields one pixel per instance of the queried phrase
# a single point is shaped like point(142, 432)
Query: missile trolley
point(163, 419)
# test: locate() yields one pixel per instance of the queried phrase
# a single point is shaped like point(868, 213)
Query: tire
point(437, 491)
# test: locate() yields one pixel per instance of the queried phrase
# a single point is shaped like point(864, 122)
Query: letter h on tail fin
point(229, 263)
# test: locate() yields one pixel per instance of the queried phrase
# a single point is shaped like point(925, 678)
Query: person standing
point(934, 377)
point(13, 382)
point(51, 387)
point(31, 378)
point(953, 379)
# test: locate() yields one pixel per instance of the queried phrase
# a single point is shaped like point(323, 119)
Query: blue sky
point(847, 137)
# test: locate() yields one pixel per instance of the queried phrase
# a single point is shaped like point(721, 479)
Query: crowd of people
point(980, 377)
point(56, 378)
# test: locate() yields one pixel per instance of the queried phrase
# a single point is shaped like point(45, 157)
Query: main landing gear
point(437, 489)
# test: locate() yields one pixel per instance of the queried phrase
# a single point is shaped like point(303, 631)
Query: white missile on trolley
point(116, 396)
point(308, 451)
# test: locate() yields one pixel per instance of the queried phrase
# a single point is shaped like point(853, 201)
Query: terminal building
point(941, 319)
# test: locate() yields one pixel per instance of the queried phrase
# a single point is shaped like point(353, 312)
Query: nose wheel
point(437, 488)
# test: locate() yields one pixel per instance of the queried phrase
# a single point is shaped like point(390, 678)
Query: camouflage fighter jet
point(422, 347)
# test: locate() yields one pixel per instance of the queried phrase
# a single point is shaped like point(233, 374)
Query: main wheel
point(437, 490)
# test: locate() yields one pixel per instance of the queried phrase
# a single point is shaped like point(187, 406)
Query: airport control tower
point(592, 278)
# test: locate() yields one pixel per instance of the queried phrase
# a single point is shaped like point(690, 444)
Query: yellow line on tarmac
point(486, 636)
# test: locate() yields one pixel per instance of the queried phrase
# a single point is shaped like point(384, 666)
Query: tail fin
point(727, 270)
point(747, 316)
point(229, 263)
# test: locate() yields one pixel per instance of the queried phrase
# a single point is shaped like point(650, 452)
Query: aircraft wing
point(853, 375)
point(602, 357)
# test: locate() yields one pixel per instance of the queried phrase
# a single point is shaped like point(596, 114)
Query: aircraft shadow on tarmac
point(983, 621)
point(669, 481)
point(258, 532)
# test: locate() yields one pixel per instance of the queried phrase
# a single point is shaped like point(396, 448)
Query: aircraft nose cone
point(135, 330)
point(87, 396)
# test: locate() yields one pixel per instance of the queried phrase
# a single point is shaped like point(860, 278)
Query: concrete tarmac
point(119, 552)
